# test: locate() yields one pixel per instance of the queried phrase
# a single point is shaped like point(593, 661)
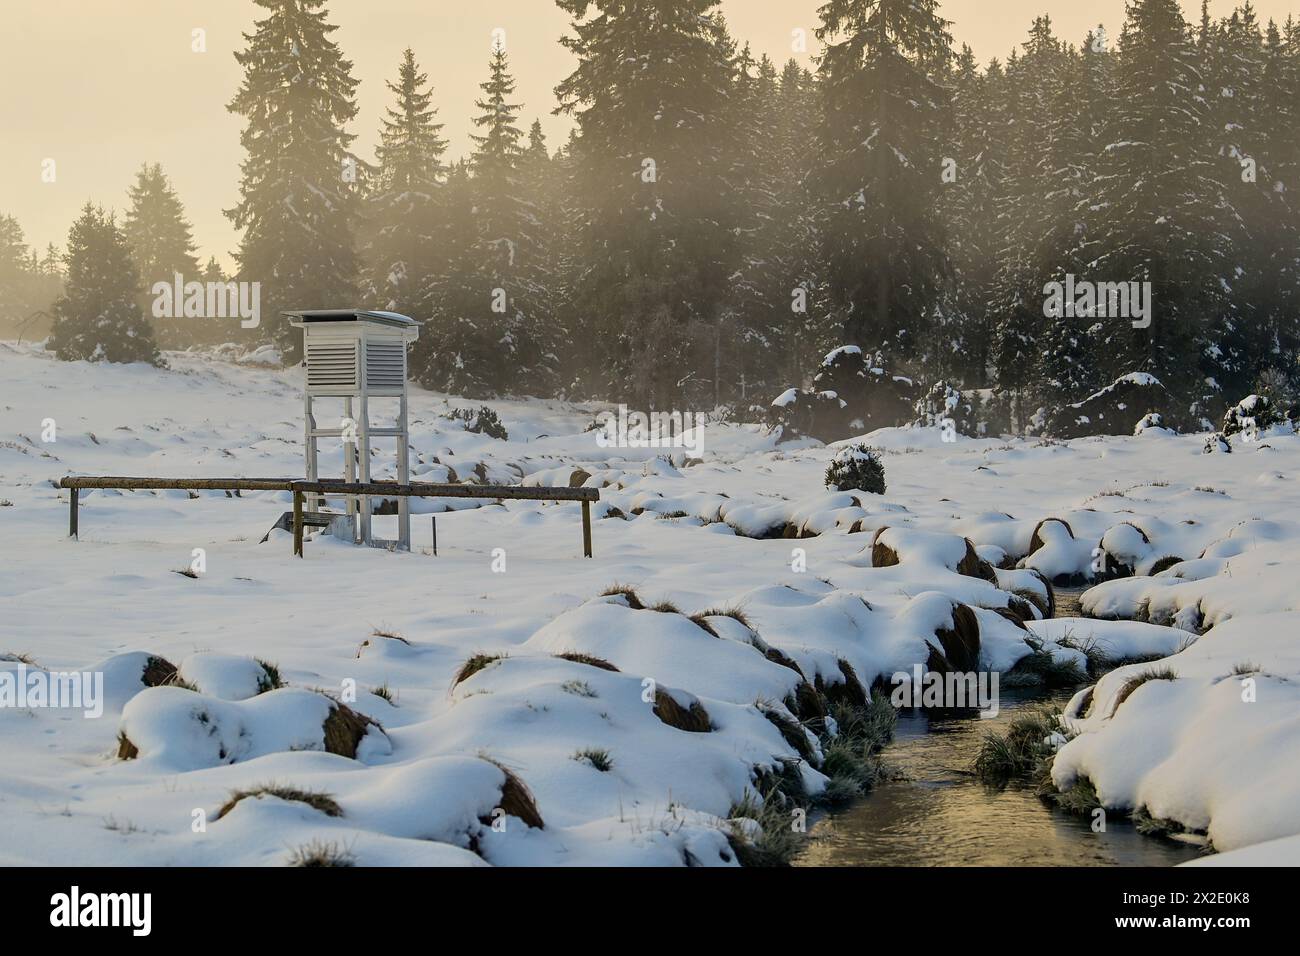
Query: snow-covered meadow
point(518, 714)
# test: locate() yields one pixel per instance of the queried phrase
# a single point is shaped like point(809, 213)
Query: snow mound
point(1206, 738)
point(177, 730)
point(225, 675)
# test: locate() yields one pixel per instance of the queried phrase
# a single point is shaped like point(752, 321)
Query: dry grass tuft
point(323, 802)
point(625, 591)
point(125, 749)
point(320, 853)
point(345, 728)
point(160, 672)
point(694, 719)
point(792, 733)
point(271, 679)
point(735, 613)
point(475, 664)
point(596, 757)
point(702, 622)
point(960, 644)
point(848, 692)
point(1036, 540)
point(587, 659)
point(1164, 564)
point(882, 556)
point(516, 799)
point(1137, 680)
point(808, 704)
point(973, 566)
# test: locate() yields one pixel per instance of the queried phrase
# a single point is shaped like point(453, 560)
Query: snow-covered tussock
point(1205, 738)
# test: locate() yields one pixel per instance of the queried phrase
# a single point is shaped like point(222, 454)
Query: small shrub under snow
point(485, 421)
point(1250, 416)
point(856, 466)
point(1217, 443)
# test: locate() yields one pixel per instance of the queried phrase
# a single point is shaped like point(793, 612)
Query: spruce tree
point(489, 324)
point(212, 271)
point(15, 272)
point(881, 146)
point(403, 244)
point(99, 316)
point(457, 352)
point(1077, 100)
point(1017, 299)
point(970, 204)
point(745, 356)
point(156, 230)
point(1233, 56)
point(650, 91)
point(1033, 80)
point(566, 245)
point(809, 327)
point(1160, 214)
point(299, 194)
point(537, 371)
point(1277, 239)
point(509, 302)
point(162, 247)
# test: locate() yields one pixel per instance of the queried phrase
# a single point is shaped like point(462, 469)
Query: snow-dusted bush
point(1114, 409)
point(1217, 443)
point(485, 421)
point(851, 393)
point(943, 404)
point(1152, 423)
point(800, 413)
point(1252, 415)
point(873, 397)
point(856, 466)
point(995, 413)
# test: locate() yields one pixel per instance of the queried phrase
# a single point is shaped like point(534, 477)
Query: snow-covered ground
point(601, 737)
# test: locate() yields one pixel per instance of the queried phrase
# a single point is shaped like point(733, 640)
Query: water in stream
point(940, 815)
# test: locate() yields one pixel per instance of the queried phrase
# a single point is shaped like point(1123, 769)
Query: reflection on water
point(942, 816)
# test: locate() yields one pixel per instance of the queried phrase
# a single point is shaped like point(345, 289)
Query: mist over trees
point(29, 280)
point(717, 223)
point(98, 316)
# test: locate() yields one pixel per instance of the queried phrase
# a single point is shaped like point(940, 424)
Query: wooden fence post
point(586, 528)
point(297, 522)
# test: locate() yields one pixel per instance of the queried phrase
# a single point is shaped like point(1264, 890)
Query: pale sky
point(100, 87)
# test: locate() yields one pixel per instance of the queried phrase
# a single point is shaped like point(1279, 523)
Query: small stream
point(938, 814)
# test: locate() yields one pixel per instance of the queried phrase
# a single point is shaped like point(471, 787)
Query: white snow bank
point(1216, 749)
point(178, 730)
point(225, 675)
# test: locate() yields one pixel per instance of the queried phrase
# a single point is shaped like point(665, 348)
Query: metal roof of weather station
point(306, 316)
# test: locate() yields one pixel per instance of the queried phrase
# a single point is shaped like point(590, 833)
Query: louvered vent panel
point(331, 363)
point(386, 364)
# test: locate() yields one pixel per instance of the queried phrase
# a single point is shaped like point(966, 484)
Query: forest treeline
point(718, 222)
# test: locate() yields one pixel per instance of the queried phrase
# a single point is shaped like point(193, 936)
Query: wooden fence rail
point(328, 488)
